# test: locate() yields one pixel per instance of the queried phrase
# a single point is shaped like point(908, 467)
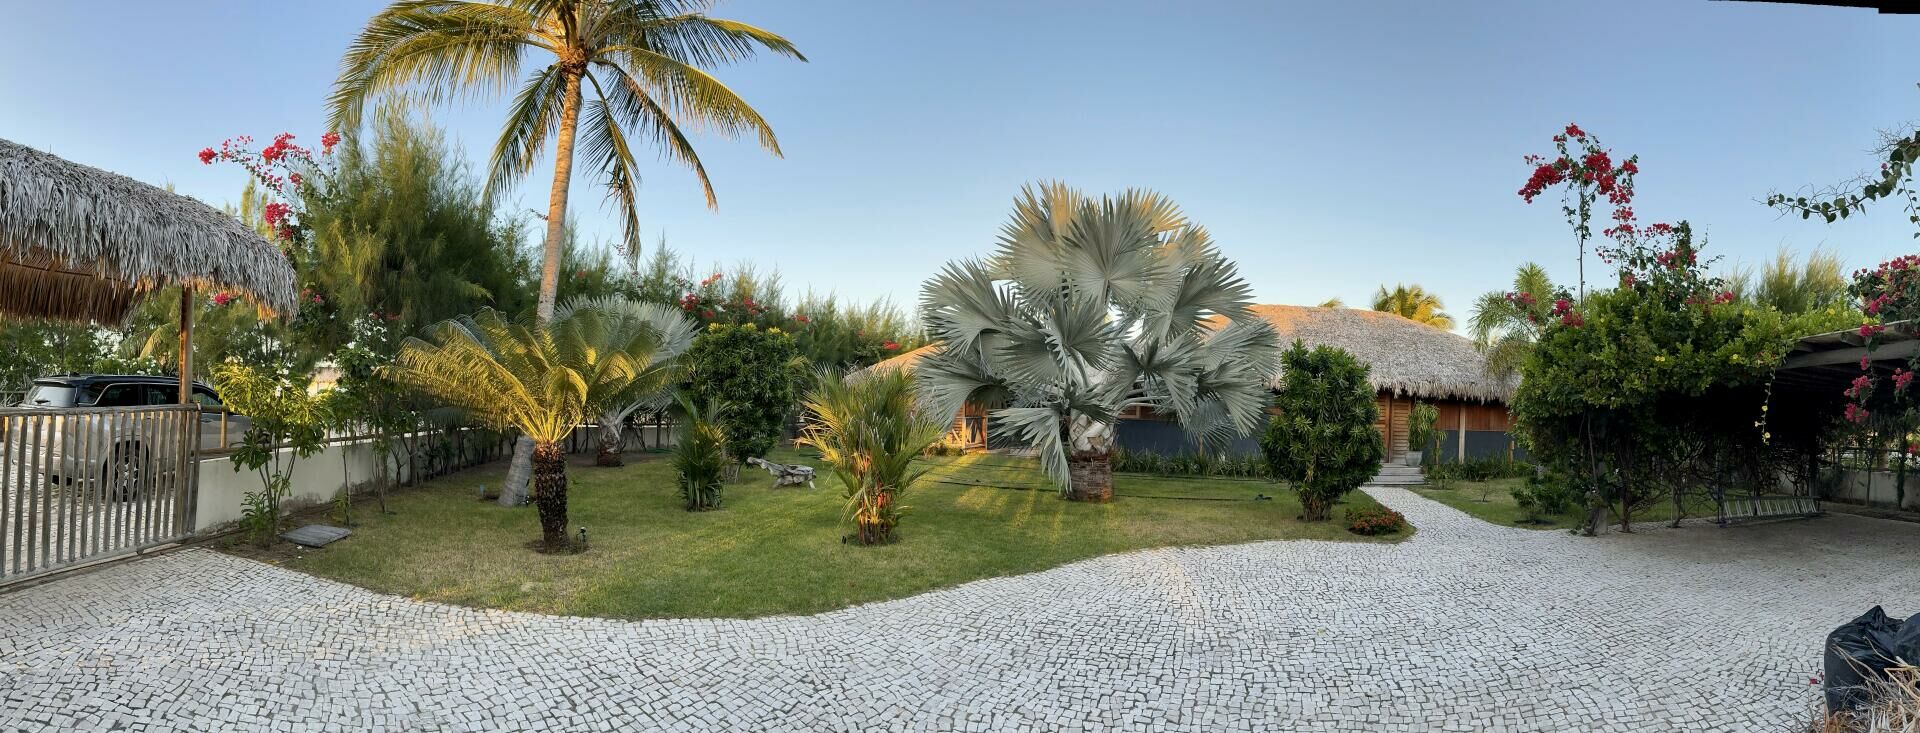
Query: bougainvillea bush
point(752, 371)
point(1660, 385)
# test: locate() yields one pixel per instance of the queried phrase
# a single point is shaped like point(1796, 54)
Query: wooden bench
point(1750, 507)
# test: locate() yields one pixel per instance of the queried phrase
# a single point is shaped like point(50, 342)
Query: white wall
point(1875, 488)
point(319, 478)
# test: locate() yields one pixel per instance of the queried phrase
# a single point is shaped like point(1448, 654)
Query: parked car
point(109, 449)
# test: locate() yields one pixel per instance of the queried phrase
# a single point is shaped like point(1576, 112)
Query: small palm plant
point(674, 332)
point(870, 429)
point(1505, 325)
point(1092, 307)
point(700, 455)
point(540, 380)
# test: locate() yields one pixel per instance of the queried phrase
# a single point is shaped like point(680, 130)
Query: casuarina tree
point(1323, 440)
point(1091, 307)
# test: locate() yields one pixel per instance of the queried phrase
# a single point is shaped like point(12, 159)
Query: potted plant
point(1420, 432)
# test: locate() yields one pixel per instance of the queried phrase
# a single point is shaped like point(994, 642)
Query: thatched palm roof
point(903, 361)
point(80, 244)
point(1405, 357)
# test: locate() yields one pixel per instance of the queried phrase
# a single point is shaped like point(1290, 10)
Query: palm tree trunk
point(1092, 477)
point(612, 437)
point(518, 472)
point(550, 494)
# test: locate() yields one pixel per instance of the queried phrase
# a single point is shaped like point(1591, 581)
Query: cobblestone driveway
point(1467, 626)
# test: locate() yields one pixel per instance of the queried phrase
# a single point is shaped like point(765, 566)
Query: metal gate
point(91, 483)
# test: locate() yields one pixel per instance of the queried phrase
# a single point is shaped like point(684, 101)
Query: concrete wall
point(1874, 488)
point(318, 478)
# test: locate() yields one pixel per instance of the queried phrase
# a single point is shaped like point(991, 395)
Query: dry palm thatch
point(79, 244)
point(1404, 357)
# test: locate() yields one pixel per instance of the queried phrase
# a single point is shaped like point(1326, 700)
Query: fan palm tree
point(1505, 325)
point(652, 390)
point(1091, 307)
point(639, 60)
point(1413, 303)
point(539, 379)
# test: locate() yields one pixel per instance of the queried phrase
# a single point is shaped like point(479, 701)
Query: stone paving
point(1465, 627)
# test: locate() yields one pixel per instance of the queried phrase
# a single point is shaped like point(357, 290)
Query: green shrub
point(701, 455)
point(1375, 521)
point(1421, 435)
point(751, 371)
point(1246, 465)
point(1545, 496)
point(1323, 441)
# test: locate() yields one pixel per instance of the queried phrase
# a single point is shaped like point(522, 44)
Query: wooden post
point(1460, 456)
point(186, 346)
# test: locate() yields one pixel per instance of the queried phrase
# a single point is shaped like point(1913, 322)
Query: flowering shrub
point(1375, 521)
point(281, 168)
point(1587, 170)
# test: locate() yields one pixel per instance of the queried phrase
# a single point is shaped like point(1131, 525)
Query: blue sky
point(1330, 147)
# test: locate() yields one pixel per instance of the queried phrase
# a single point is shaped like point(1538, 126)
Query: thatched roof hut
point(80, 244)
point(1406, 358)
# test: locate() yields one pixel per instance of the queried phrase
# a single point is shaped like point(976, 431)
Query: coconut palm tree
point(1505, 325)
point(1091, 307)
point(539, 379)
point(1414, 303)
point(674, 333)
point(632, 67)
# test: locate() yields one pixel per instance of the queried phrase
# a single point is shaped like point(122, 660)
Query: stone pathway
point(1465, 627)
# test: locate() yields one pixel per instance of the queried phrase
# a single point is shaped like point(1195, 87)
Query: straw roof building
point(1408, 362)
point(82, 245)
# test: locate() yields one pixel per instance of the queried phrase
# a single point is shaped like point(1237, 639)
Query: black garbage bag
point(1862, 650)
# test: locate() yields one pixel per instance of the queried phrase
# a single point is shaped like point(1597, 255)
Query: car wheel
point(124, 476)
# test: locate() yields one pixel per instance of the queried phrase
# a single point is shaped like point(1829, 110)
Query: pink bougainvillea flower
point(207, 155)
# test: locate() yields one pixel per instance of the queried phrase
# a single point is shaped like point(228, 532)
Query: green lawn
point(1493, 501)
point(778, 551)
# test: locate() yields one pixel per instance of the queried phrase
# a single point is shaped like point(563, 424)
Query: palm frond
point(434, 50)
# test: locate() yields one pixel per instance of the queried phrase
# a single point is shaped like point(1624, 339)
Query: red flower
point(890, 345)
point(294, 177)
point(207, 155)
point(329, 140)
point(1902, 378)
point(1870, 330)
point(1856, 414)
point(706, 314)
point(797, 318)
point(222, 299)
point(1575, 131)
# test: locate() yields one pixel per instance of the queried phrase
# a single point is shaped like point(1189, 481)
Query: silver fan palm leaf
point(1091, 307)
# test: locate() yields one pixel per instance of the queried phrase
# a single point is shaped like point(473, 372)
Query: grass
point(778, 551)
point(1499, 507)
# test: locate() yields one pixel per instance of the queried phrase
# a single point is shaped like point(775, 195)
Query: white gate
point(90, 483)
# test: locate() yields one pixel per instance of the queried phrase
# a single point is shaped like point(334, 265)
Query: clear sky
point(1330, 146)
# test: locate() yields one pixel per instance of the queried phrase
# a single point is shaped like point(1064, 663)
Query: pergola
point(82, 245)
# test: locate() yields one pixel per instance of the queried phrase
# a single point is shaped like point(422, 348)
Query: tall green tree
point(1506, 324)
point(1412, 302)
point(1092, 306)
